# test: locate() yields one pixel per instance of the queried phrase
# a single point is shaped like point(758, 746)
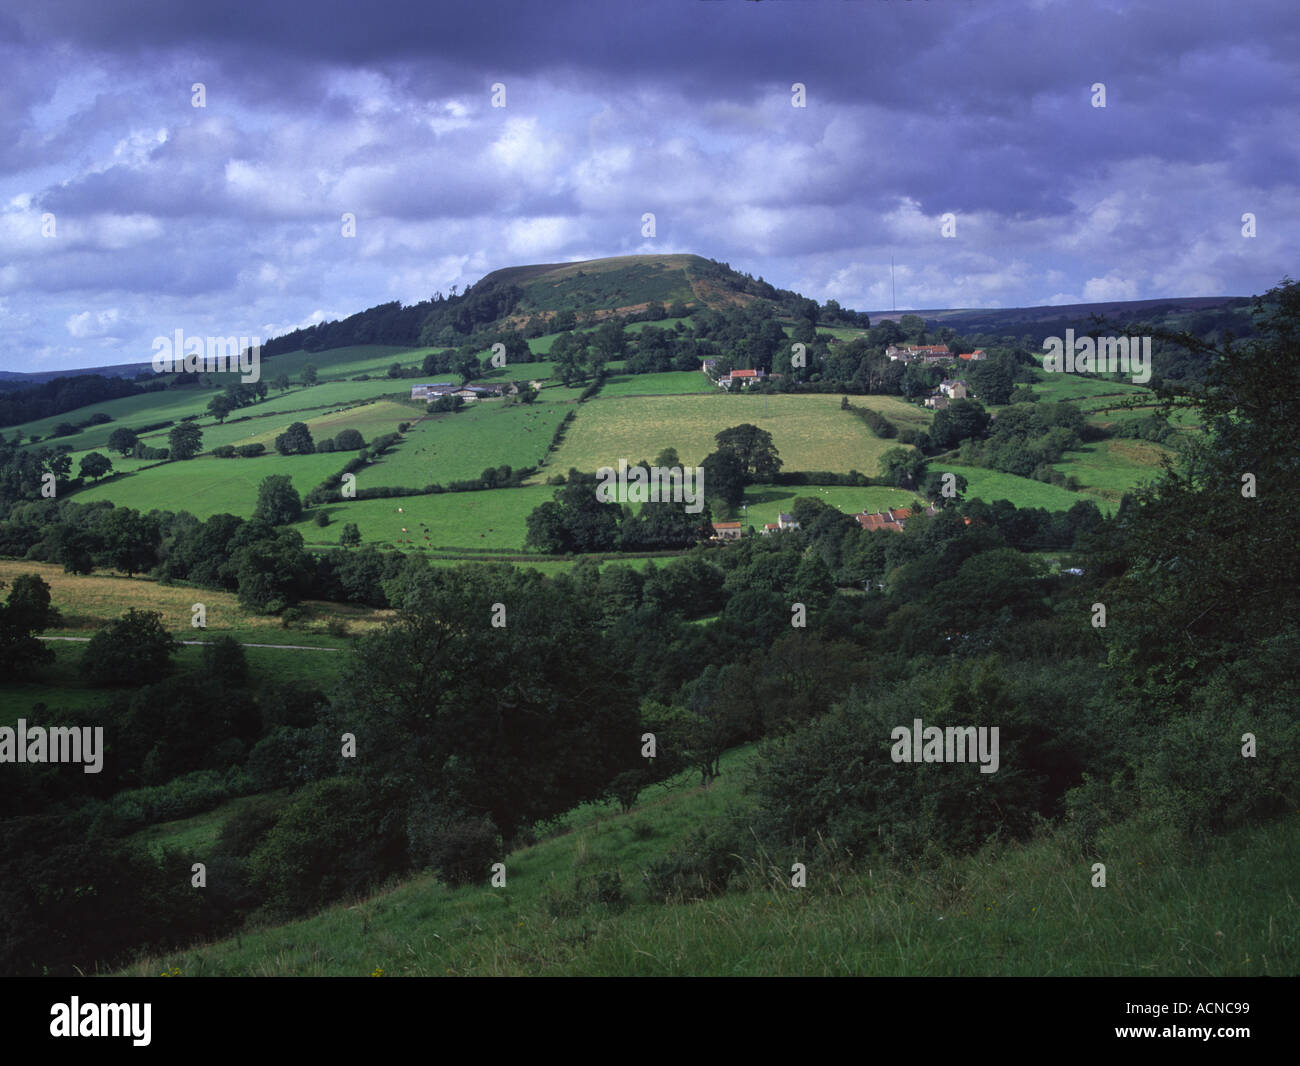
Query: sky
point(962, 138)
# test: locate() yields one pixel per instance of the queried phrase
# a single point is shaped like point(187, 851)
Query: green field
point(371, 419)
point(196, 835)
point(991, 485)
point(129, 412)
point(343, 362)
point(1055, 387)
point(457, 447)
point(1110, 468)
point(810, 432)
point(670, 383)
point(764, 503)
point(488, 519)
point(206, 486)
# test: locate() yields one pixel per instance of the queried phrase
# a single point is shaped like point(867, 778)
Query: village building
point(726, 531)
point(926, 353)
point(433, 391)
point(743, 378)
point(893, 520)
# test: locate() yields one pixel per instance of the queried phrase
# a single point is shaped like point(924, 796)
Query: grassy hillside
point(623, 281)
point(1008, 910)
point(991, 485)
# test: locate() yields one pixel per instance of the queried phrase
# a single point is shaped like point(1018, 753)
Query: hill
point(584, 901)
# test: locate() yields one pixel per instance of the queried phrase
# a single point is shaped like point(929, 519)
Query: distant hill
point(543, 297)
point(10, 379)
point(1196, 313)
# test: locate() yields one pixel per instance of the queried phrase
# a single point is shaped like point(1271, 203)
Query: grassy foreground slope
point(1010, 910)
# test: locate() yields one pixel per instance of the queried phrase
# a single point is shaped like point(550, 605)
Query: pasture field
point(763, 503)
point(537, 369)
point(120, 465)
point(197, 834)
point(326, 394)
point(128, 412)
point(844, 333)
point(60, 687)
point(456, 447)
point(337, 363)
point(1110, 468)
point(206, 486)
point(669, 383)
point(88, 601)
point(372, 419)
point(810, 432)
point(1054, 387)
point(494, 519)
point(552, 567)
point(991, 485)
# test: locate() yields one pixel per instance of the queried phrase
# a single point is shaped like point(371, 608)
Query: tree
point(351, 535)
point(129, 540)
point(185, 441)
point(296, 440)
point(309, 374)
point(467, 365)
point(25, 612)
point(95, 466)
point(521, 722)
point(220, 406)
point(349, 440)
point(960, 420)
point(913, 327)
point(753, 447)
point(278, 502)
point(128, 649)
point(724, 478)
point(224, 661)
point(903, 467)
point(282, 382)
point(122, 441)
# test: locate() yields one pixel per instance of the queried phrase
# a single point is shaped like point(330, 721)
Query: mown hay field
point(809, 432)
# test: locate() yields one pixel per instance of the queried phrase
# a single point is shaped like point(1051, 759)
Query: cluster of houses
point(894, 520)
point(734, 530)
point(930, 353)
point(475, 390)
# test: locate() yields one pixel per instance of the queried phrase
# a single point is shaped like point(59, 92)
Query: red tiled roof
point(892, 519)
point(744, 373)
point(726, 525)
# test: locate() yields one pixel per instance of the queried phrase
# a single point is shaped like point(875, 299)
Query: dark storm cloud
point(682, 108)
